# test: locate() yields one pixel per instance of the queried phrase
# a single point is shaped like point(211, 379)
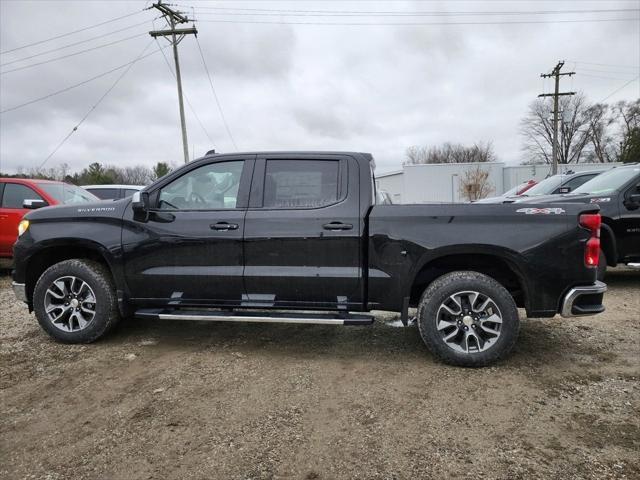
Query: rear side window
point(106, 193)
point(301, 184)
point(127, 192)
point(15, 194)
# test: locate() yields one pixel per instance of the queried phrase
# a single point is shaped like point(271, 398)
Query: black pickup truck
point(617, 192)
point(297, 238)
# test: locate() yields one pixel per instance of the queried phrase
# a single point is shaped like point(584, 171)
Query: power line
point(73, 54)
point(71, 87)
point(595, 70)
point(73, 44)
point(213, 90)
point(113, 85)
point(606, 64)
point(71, 33)
point(350, 15)
point(618, 89)
point(266, 11)
point(523, 22)
point(166, 60)
point(600, 76)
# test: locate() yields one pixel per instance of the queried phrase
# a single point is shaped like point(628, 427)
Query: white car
point(113, 192)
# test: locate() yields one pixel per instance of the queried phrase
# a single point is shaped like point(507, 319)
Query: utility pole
point(555, 73)
point(174, 17)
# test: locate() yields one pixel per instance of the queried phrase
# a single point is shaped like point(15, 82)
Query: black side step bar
point(341, 318)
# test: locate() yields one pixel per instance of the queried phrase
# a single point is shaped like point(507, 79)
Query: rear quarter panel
point(544, 250)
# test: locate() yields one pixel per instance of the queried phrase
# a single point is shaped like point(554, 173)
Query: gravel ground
point(181, 400)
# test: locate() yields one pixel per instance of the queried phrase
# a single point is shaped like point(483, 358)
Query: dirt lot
point(197, 400)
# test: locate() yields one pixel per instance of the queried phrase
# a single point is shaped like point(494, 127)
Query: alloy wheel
point(70, 304)
point(469, 322)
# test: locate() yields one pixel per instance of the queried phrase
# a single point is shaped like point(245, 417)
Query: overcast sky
point(286, 86)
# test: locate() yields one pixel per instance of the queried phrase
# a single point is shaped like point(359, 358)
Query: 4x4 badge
point(540, 211)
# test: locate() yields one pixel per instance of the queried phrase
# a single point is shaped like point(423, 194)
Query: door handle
point(224, 226)
point(337, 226)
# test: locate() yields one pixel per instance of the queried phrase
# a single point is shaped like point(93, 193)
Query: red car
point(19, 195)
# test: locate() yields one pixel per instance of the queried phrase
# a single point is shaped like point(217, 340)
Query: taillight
point(592, 252)
point(592, 222)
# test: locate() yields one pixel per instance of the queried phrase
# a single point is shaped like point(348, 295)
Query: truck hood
point(100, 209)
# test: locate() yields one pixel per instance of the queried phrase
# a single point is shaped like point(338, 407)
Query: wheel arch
point(499, 264)
point(608, 244)
point(59, 251)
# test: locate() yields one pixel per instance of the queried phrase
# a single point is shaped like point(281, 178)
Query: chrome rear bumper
point(584, 300)
point(19, 291)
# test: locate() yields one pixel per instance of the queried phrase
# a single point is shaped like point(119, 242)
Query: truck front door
point(188, 250)
point(303, 233)
point(629, 231)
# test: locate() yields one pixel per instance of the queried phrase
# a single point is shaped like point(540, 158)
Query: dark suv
point(617, 191)
point(553, 185)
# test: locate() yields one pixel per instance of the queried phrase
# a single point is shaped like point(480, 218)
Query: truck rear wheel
point(468, 319)
point(75, 301)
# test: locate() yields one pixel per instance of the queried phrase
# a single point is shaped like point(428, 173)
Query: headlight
point(23, 227)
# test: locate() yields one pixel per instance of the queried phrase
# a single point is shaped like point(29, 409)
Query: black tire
point(439, 291)
point(602, 266)
point(99, 279)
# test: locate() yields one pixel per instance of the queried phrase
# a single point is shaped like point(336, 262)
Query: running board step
point(257, 317)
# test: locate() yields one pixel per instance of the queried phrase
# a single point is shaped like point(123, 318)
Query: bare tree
point(475, 184)
point(137, 175)
point(603, 149)
point(573, 135)
point(628, 115)
point(450, 153)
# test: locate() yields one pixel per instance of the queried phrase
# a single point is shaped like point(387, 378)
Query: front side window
point(301, 184)
point(15, 194)
point(210, 187)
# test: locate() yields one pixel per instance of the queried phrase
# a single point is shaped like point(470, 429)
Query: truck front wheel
point(468, 319)
point(75, 301)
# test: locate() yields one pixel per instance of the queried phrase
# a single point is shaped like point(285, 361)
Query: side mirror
point(140, 202)
point(564, 190)
point(632, 201)
point(32, 204)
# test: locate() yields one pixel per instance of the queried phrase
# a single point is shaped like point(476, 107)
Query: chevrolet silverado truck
point(298, 238)
point(617, 192)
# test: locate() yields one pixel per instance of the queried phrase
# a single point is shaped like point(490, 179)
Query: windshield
point(545, 187)
point(515, 190)
point(608, 182)
point(65, 193)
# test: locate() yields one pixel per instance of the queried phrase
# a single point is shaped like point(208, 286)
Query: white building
point(440, 182)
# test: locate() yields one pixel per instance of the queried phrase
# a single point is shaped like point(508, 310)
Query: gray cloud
point(372, 88)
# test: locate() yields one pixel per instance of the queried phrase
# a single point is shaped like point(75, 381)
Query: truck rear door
point(303, 233)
